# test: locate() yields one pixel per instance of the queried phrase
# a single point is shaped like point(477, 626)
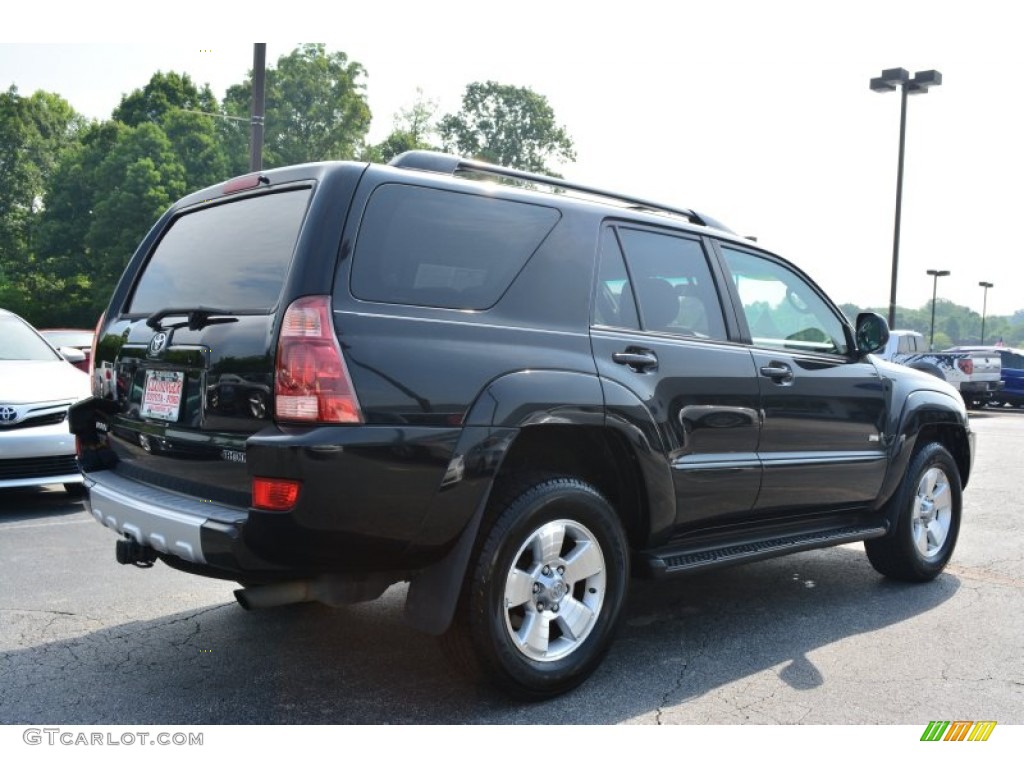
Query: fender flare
point(507, 405)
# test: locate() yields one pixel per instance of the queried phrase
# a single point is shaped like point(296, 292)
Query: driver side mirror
point(872, 332)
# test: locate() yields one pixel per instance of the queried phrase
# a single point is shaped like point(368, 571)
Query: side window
point(782, 310)
point(673, 285)
point(614, 304)
point(435, 248)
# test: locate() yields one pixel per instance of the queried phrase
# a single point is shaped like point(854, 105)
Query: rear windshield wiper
point(198, 317)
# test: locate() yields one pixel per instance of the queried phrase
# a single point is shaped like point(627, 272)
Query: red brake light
point(312, 383)
point(966, 365)
point(274, 495)
point(242, 182)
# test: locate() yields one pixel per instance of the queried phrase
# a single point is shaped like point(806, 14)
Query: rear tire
point(926, 514)
point(545, 590)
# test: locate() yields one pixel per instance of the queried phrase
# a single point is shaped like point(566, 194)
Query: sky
point(756, 113)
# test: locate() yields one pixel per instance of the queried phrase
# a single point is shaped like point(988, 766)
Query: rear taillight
point(966, 365)
point(312, 383)
point(274, 494)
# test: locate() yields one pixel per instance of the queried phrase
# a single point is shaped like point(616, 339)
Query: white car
point(37, 386)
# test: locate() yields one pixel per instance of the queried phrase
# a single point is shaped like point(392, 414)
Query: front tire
point(547, 589)
point(927, 510)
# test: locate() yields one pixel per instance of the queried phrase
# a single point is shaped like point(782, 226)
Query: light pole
point(936, 274)
point(890, 80)
point(984, 306)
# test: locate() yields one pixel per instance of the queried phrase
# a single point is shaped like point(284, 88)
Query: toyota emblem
point(7, 414)
point(156, 346)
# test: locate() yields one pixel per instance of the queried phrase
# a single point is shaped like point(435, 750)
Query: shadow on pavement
point(361, 665)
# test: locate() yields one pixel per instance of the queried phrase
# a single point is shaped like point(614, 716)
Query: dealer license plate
point(161, 397)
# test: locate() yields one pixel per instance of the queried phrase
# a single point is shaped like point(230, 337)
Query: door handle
point(779, 373)
point(639, 360)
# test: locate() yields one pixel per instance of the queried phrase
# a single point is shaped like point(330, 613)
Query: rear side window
point(232, 256)
point(436, 248)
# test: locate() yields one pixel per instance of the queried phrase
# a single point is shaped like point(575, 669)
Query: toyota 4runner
point(330, 378)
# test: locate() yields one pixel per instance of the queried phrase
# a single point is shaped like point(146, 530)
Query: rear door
point(659, 331)
point(193, 352)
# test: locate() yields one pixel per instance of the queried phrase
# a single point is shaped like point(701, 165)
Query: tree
point(162, 95)
point(506, 125)
point(140, 177)
point(316, 109)
point(413, 128)
point(34, 132)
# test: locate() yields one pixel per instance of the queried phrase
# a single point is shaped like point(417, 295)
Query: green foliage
point(316, 109)
point(162, 95)
point(954, 324)
point(34, 132)
point(413, 128)
point(139, 179)
point(508, 126)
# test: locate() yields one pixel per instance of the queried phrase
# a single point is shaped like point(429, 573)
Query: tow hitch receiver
point(130, 552)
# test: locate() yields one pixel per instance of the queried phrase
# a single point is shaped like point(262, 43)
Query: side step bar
point(678, 560)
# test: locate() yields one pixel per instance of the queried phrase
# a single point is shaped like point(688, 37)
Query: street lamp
point(936, 274)
point(890, 80)
point(984, 306)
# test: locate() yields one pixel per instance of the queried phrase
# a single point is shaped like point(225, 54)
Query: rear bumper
point(980, 387)
point(187, 529)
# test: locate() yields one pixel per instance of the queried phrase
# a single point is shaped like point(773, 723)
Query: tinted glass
point(782, 310)
point(19, 342)
point(437, 248)
point(673, 284)
point(614, 304)
point(232, 256)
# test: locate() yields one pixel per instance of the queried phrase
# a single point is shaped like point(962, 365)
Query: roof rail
point(441, 162)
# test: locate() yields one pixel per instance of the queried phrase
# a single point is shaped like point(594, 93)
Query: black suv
point(335, 377)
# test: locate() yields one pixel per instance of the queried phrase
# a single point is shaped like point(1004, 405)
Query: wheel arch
point(555, 422)
point(929, 416)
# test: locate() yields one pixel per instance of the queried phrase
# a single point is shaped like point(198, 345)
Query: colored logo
point(958, 730)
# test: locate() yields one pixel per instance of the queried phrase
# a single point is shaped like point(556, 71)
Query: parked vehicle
point(74, 345)
point(511, 399)
point(976, 374)
point(37, 386)
point(1012, 372)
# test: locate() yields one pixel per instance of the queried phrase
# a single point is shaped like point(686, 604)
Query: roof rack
point(441, 162)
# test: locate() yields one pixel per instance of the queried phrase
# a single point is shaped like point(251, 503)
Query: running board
point(684, 560)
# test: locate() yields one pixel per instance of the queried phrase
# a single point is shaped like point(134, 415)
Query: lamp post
point(936, 274)
point(890, 80)
point(984, 306)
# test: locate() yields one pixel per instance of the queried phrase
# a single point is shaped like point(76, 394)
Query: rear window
point(436, 248)
point(232, 256)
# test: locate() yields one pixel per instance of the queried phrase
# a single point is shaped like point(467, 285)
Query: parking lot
point(814, 638)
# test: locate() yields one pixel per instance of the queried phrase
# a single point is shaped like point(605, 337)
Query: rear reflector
point(274, 495)
point(312, 383)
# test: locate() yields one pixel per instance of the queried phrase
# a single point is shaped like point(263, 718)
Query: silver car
point(36, 387)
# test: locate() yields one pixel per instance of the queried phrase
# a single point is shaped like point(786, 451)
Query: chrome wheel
point(932, 512)
point(554, 590)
